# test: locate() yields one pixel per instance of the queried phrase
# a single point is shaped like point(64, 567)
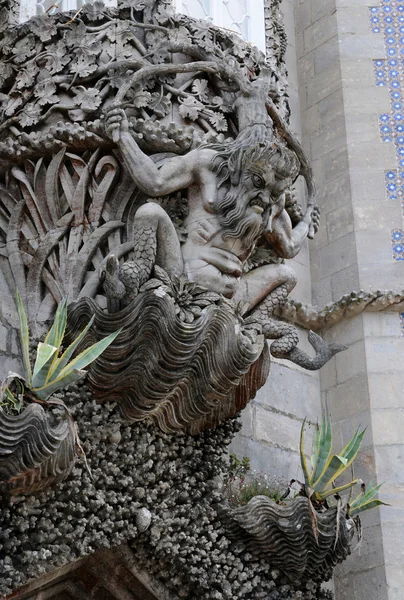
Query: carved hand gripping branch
point(146, 175)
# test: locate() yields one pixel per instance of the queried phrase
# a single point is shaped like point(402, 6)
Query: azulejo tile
point(387, 19)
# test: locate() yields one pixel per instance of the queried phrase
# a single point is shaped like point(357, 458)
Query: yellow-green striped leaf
point(24, 335)
point(90, 354)
point(68, 353)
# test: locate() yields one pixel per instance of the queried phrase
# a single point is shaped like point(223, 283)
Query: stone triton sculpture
point(147, 173)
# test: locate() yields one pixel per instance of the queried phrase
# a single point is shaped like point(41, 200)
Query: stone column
point(363, 386)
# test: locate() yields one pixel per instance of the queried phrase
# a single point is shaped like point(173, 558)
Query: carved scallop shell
point(284, 536)
point(33, 453)
point(187, 376)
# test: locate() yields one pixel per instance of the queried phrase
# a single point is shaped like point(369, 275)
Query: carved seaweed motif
point(284, 536)
point(33, 453)
point(181, 375)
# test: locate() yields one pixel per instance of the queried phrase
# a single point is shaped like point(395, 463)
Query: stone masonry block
point(348, 399)
point(387, 459)
point(347, 332)
point(311, 121)
point(276, 429)
point(370, 554)
point(358, 73)
point(335, 163)
point(369, 100)
point(361, 46)
point(321, 292)
point(386, 390)
point(326, 55)
point(337, 256)
point(339, 222)
point(374, 249)
point(331, 137)
point(320, 9)
point(9, 364)
point(3, 338)
point(265, 459)
point(384, 354)
point(369, 216)
point(335, 193)
point(291, 392)
point(351, 362)
point(369, 584)
point(384, 324)
point(345, 281)
point(362, 128)
point(393, 539)
point(388, 277)
point(320, 32)
point(395, 581)
point(353, 20)
point(364, 155)
point(388, 427)
point(303, 15)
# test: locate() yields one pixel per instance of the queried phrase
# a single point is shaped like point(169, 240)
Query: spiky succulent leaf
point(315, 447)
point(44, 358)
point(366, 506)
point(324, 448)
point(303, 459)
point(336, 465)
point(338, 489)
point(90, 354)
point(57, 331)
point(24, 335)
point(68, 353)
point(57, 384)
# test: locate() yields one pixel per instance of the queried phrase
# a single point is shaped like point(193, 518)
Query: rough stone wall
point(340, 108)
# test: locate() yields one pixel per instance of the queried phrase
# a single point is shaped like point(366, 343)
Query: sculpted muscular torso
point(235, 196)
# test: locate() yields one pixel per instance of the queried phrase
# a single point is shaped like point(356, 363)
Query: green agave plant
point(326, 466)
point(54, 370)
point(365, 501)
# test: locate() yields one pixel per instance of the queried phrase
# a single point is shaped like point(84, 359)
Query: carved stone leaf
point(7, 40)
point(24, 49)
point(217, 120)
point(83, 67)
point(160, 104)
point(26, 77)
point(3, 19)
point(139, 97)
point(118, 77)
point(5, 73)
point(88, 99)
point(180, 35)
point(163, 14)
point(45, 92)
point(217, 101)
point(58, 58)
point(43, 27)
point(94, 11)
point(14, 102)
point(200, 87)
point(30, 115)
point(190, 108)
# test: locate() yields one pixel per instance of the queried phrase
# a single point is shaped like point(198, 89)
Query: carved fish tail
point(286, 335)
